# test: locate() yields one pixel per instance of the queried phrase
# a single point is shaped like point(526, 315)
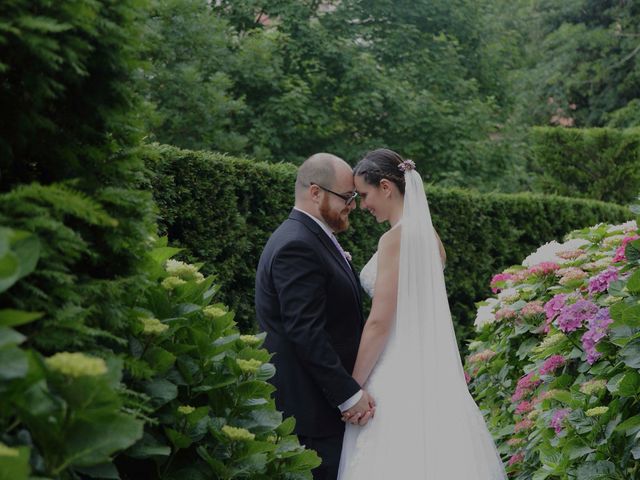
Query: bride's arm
point(443, 253)
point(383, 308)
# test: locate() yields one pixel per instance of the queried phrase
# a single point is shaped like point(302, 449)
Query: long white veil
point(451, 438)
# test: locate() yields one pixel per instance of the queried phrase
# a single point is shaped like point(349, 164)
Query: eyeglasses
point(348, 199)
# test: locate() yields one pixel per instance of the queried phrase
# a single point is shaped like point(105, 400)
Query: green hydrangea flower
point(595, 411)
point(239, 434)
point(549, 341)
point(249, 366)
point(186, 409)
point(153, 326)
point(250, 339)
point(593, 386)
point(76, 364)
point(183, 270)
point(213, 312)
point(170, 283)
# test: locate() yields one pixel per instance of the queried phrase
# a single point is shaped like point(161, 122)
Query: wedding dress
point(427, 426)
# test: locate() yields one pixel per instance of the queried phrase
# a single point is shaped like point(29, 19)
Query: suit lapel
point(328, 244)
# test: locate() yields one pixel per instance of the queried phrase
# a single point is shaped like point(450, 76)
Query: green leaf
point(631, 315)
point(576, 449)
point(12, 318)
point(27, 249)
point(630, 384)
point(630, 426)
point(306, 460)
point(616, 310)
point(632, 251)
point(9, 270)
point(92, 440)
point(160, 359)
point(149, 447)
point(286, 427)
point(178, 439)
point(602, 470)
point(563, 396)
point(161, 391)
point(15, 467)
point(162, 254)
point(630, 353)
point(9, 336)
point(633, 284)
point(14, 363)
point(105, 470)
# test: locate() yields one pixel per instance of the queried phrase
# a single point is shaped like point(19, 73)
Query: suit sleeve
point(300, 284)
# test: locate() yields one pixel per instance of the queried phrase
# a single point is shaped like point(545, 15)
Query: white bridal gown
point(406, 440)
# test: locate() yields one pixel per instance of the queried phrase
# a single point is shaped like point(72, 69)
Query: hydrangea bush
point(554, 364)
point(185, 396)
point(205, 387)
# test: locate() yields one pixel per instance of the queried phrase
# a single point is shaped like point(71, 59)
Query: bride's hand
point(362, 412)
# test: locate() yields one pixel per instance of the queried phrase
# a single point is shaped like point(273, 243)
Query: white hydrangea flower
point(485, 315)
point(629, 226)
point(548, 251)
point(509, 295)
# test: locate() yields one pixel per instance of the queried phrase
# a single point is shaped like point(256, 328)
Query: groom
point(308, 301)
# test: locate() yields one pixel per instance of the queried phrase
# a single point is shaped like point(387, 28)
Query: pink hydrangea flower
point(526, 384)
point(499, 278)
point(516, 458)
point(620, 251)
point(558, 419)
point(544, 268)
point(505, 313)
point(523, 407)
point(483, 356)
point(532, 308)
point(551, 364)
point(521, 276)
point(598, 329)
point(572, 316)
point(600, 283)
point(523, 425)
point(515, 441)
point(570, 254)
point(570, 274)
point(467, 377)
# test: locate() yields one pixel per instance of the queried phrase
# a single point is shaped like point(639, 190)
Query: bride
point(426, 424)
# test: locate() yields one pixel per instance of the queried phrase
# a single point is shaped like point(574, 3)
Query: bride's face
point(374, 198)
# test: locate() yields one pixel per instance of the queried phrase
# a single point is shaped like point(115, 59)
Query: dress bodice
point(368, 275)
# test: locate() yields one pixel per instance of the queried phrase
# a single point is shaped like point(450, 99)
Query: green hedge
point(597, 163)
point(222, 210)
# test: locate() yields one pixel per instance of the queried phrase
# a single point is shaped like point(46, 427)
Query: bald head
point(322, 169)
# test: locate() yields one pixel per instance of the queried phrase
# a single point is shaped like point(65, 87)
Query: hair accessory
point(407, 165)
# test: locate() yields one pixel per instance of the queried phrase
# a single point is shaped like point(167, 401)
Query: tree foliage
point(282, 80)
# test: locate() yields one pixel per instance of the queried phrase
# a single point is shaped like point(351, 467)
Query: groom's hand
point(361, 412)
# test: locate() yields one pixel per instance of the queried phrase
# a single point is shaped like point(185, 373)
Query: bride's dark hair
point(380, 164)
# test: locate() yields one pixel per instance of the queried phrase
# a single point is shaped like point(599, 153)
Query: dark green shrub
point(597, 163)
point(222, 211)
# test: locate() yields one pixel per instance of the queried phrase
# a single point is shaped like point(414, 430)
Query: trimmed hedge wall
point(596, 163)
point(223, 209)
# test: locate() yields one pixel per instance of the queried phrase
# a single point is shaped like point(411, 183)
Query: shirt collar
point(323, 225)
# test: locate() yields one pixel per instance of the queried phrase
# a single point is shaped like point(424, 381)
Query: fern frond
point(66, 201)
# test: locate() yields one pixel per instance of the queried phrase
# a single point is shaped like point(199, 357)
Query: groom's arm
point(301, 286)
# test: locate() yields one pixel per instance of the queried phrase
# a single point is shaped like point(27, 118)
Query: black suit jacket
point(308, 301)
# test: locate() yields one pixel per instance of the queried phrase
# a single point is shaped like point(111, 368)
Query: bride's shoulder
point(390, 240)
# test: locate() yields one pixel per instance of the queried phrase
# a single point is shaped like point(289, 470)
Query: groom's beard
point(337, 221)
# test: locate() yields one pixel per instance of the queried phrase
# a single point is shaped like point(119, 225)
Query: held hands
point(361, 412)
